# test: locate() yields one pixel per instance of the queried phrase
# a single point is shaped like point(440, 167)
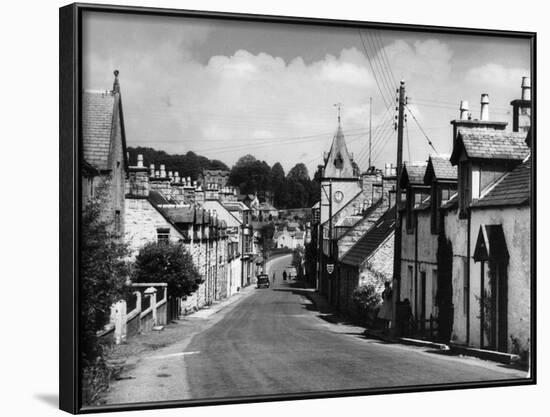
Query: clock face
point(338, 196)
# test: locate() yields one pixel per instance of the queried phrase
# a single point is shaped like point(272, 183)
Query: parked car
point(262, 281)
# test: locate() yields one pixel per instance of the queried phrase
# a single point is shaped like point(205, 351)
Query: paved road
point(273, 341)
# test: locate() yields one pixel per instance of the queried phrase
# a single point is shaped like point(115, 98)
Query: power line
point(420, 127)
point(373, 71)
point(408, 141)
point(384, 75)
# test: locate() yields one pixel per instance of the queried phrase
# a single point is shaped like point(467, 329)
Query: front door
point(499, 301)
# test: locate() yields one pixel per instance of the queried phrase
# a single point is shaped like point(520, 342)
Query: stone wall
point(141, 223)
point(516, 225)
point(456, 231)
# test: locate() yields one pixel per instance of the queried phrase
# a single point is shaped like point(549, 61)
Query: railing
point(145, 309)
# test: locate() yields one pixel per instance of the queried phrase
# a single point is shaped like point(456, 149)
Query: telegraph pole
point(370, 131)
point(397, 247)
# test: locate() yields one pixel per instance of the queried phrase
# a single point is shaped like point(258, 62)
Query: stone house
point(427, 186)
point(155, 210)
point(350, 205)
point(501, 274)
point(104, 164)
point(266, 212)
point(486, 228)
point(368, 261)
point(234, 243)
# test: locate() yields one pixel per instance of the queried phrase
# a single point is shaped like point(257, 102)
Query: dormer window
point(440, 194)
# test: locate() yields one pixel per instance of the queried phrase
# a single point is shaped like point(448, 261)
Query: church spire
point(338, 162)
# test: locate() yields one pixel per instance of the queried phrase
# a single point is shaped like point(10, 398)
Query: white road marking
point(174, 355)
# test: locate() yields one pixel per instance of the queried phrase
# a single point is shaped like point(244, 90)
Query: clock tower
point(340, 180)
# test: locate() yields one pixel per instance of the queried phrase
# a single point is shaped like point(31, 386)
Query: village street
point(274, 341)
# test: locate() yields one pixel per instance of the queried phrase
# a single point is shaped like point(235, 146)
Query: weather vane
point(339, 106)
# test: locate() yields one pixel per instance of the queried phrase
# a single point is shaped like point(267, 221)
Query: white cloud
point(243, 102)
point(495, 74)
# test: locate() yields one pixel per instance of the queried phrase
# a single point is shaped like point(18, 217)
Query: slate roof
point(413, 174)
point(157, 198)
point(424, 204)
point(235, 206)
point(371, 240)
point(440, 168)
point(97, 123)
point(179, 215)
point(348, 221)
point(490, 144)
point(512, 189)
point(451, 203)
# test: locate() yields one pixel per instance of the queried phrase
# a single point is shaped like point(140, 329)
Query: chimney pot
point(140, 160)
point(464, 110)
point(162, 171)
point(157, 174)
point(484, 116)
point(526, 88)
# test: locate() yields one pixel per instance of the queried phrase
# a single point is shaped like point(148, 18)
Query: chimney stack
point(484, 116)
point(526, 88)
point(138, 179)
point(464, 110)
point(162, 171)
point(152, 170)
point(521, 114)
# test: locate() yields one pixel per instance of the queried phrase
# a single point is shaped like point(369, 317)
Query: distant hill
point(188, 165)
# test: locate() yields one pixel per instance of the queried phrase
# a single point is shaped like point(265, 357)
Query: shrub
point(366, 297)
point(167, 262)
point(103, 275)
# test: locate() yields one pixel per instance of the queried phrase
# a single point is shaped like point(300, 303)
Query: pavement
point(277, 341)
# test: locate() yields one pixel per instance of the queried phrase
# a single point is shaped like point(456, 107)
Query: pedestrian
point(386, 308)
point(284, 275)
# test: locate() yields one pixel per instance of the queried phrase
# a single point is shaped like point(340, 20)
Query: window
point(163, 235)
point(465, 187)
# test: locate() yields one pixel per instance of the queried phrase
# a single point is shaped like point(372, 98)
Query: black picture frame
point(70, 62)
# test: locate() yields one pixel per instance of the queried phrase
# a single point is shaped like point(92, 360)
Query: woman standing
point(387, 307)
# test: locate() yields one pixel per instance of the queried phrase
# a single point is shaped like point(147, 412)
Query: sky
point(224, 89)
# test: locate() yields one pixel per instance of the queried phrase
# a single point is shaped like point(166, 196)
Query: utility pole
point(330, 260)
point(370, 131)
point(397, 246)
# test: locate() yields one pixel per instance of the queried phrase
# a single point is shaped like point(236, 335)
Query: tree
point(250, 175)
point(188, 165)
point(167, 262)
point(299, 173)
point(103, 275)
